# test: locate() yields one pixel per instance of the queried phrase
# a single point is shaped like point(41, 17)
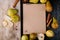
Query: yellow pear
point(33, 35)
point(50, 33)
point(24, 37)
point(48, 6)
point(15, 18)
point(11, 12)
point(33, 1)
point(54, 20)
point(54, 24)
point(43, 1)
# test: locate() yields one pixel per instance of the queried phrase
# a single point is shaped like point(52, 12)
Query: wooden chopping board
point(34, 18)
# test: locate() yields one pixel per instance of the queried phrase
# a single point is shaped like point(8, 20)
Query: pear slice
point(6, 17)
point(7, 22)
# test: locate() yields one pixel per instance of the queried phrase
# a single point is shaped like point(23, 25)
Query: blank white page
point(34, 18)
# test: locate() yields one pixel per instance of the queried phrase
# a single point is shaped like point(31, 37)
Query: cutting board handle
point(15, 3)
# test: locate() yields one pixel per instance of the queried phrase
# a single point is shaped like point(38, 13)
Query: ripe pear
point(33, 36)
point(48, 6)
point(12, 12)
point(43, 1)
point(54, 24)
point(33, 1)
point(15, 18)
point(54, 20)
point(24, 37)
point(50, 33)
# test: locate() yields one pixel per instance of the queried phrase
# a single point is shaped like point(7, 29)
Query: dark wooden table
point(55, 13)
